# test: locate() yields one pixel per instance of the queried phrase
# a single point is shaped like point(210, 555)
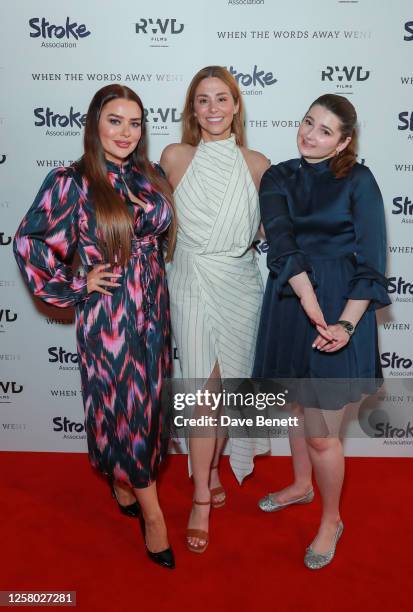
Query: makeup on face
point(120, 128)
point(214, 108)
point(319, 135)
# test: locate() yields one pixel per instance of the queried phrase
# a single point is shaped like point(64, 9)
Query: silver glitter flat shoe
point(315, 560)
point(266, 504)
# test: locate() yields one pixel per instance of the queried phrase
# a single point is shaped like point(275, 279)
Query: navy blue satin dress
point(333, 229)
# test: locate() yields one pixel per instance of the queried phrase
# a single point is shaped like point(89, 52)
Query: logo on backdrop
point(344, 77)
point(71, 430)
point(47, 118)
point(65, 359)
point(400, 288)
point(7, 317)
point(273, 123)
point(403, 167)
point(403, 208)
point(161, 119)
point(406, 123)
point(260, 246)
point(408, 27)
point(377, 423)
point(294, 35)
point(245, 2)
point(5, 239)
point(66, 393)
point(57, 35)
point(396, 365)
point(254, 81)
point(393, 326)
point(400, 249)
point(60, 320)
point(9, 389)
point(161, 32)
point(12, 427)
point(3, 159)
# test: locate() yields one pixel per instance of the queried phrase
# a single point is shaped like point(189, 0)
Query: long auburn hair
point(191, 132)
point(114, 223)
point(343, 162)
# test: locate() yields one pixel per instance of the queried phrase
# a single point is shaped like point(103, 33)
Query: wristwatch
point(349, 327)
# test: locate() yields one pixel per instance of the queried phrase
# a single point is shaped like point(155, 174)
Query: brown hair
point(342, 163)
point(113, 219)
point(191, 132)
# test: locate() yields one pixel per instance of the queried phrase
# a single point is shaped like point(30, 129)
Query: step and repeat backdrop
point(56, 55)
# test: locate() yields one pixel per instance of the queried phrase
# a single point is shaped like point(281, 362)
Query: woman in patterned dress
point(215, 283)
point(114, 208)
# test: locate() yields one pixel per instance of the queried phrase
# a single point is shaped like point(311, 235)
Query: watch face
point(349, 327)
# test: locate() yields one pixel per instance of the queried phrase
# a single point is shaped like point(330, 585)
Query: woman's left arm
point(368, 286)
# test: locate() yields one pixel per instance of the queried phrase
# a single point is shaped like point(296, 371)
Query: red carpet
point(60, 530)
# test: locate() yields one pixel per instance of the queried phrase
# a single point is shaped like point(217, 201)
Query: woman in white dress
point(214, 282)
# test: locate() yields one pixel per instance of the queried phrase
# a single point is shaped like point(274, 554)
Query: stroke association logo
point(396, 365)
point(406, 123)
point(8, 390)
point(245, 2)
point(377, 423)
point(161, 32)
point(70, 429)
point(408, 28)
point(47, 118)
point(403, 208)
point(161, 119)
point(344, 77)
point(253, 82)
point(7, 317)
point(52, 34)
point(65, 359)
point(400, 288)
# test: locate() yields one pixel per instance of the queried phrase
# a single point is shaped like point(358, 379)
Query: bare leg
point(327, 457)
point(214, 480)
point(156, 535)
point(202, 450)
point(301, 463)
point(124, 493)
point(328, 461)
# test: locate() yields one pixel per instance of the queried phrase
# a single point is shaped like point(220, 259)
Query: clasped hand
point(331, 338)
point(98, 279)
point(340, 339)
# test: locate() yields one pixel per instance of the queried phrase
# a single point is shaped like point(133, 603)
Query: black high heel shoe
point(132, 510)
point(164, 558)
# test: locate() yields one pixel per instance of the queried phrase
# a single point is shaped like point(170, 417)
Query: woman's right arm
point(288, 263)
point(47, 239)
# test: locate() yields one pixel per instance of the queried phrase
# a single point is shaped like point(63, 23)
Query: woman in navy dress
point(114, 208)
point(324, 222)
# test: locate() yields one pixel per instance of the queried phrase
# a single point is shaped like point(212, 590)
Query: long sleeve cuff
point(286, 267)
point(369, 284)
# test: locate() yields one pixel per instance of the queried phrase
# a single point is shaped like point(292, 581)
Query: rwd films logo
point(160, 119)
point(8, 390)
point(160, 31)
point(344, 77)
point(6, 316)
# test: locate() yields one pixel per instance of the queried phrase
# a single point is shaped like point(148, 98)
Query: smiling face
point(319, 135)
point(120, 129)
point(214, 108)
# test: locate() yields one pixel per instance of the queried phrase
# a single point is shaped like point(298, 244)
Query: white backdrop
point(55, 56)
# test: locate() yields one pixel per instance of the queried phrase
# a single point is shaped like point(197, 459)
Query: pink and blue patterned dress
point(123, 340)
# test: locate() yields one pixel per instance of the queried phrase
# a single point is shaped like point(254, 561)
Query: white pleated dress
point(214, 281)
